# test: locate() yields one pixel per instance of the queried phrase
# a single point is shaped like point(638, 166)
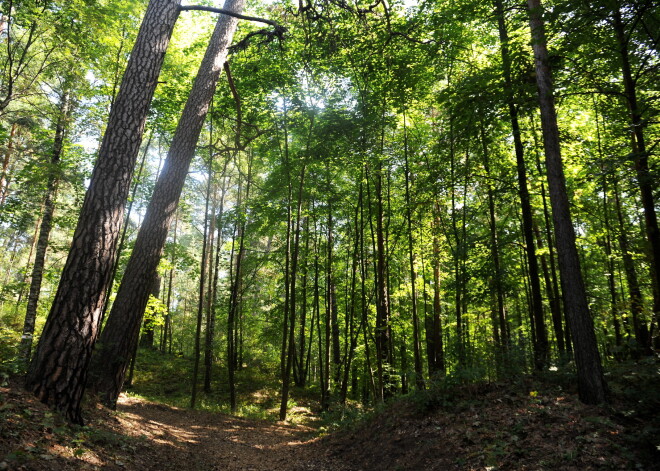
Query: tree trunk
point(58, 372)
point(301, 375)
point(541, 339)
point(352, 335)
point(203, 277)
point(292, 305)
point(564, 345)
point(166, 345)
point(634, 291)
point(419, 371)
point(382, 334)
point(500, 333)
point(46, 225)
point(591, 383)
point(436, 348)
point(123, 323)
point(641, 160)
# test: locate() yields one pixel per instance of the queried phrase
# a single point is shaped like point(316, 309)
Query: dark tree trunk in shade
point(417, 356)
point(634, 290)
point(541, 338)
point(591, 383)
point(58, 372)
point(640, 156)
point(122, 328)
point(433, 323)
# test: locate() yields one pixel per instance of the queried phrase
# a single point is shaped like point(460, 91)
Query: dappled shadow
point(212, 441)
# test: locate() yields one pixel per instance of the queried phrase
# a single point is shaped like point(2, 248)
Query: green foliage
point(9, 362)
point(389, 112)
point(154, 314)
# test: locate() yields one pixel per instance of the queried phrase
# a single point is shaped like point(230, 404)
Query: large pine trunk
point(58, 372)
point(121, 331)
point(591, 383)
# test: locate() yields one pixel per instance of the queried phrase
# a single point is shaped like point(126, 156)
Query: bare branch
point(222, 11)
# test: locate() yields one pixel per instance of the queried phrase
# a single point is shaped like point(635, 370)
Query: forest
point(331, 209)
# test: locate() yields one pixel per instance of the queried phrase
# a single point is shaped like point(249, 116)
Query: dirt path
point(144, 435)
point(181, 439)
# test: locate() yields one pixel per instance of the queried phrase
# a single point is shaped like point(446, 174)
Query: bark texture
point(591, 383)
point(58, 372)
point(122, 329)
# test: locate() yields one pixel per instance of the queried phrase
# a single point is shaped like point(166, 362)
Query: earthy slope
point(492, 428)
point(523, 426)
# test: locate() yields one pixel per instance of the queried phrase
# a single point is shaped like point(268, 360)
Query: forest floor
point(527, 425)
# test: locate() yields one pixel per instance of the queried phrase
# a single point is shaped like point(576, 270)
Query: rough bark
point(57, 374)
point(120, 333)
point(591, 383)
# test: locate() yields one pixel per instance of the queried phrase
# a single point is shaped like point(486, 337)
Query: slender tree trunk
point(292, 320)
point(332, 298)
point(123, 323)
point(541, 342)
point(564, 345)
point(352, 336)
point(58, 372)
point(419, 371)
point(383, 338)
point(167, 334)
point(203, 277)
point(213, 287)
point(500, 333)
point(641, 159)
point(46, 225)
point(554, 308)
point(591, 383)
point(634, 291)
point(287, 248)
point(301, 375)
point(436, 350)
point(614, 305)
point(235, 296)
point(210, 314)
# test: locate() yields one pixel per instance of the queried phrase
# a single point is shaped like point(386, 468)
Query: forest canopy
point(358, 198)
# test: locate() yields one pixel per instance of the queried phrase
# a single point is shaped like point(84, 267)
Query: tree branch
point(222, 11)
